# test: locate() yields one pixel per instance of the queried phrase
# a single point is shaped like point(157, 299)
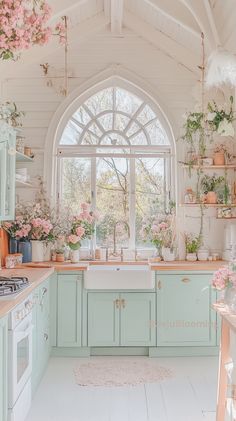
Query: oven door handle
point(23, 334)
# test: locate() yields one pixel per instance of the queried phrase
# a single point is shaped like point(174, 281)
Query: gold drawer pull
point(123, 303)
point(159, 285)
point(117, 303)
point(185, 280)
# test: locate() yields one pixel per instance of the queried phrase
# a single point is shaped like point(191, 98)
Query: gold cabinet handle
point(117, 303)
point(123, 303)
point(185, 280)
point(159, 285)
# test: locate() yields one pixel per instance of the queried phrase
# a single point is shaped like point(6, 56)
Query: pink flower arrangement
point(41, 229)
point(23, 23)
point(223, 278)
point(160, 231)
point(18, 229)
point(82, 226)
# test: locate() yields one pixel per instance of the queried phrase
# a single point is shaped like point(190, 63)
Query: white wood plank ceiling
point(172, 26)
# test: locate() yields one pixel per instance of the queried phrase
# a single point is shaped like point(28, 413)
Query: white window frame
point(157, 151)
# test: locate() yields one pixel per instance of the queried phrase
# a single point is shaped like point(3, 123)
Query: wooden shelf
point(20, 157)
point(208, 205)
point(209, 167)
point(24, 184)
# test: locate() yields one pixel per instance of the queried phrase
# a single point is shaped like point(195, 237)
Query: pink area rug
point(120, 371)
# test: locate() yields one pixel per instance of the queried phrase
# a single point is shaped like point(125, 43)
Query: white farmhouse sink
point(119, 277)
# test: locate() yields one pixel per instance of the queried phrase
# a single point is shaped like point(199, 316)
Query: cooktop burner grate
point(12, 285)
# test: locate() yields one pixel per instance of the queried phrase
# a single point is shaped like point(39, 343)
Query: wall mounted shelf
point(20, 157)
point(210, 167)
point(208, 205)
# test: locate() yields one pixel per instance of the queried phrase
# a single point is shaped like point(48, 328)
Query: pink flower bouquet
point(18, 229)
point(82, 227)
point(223, 278)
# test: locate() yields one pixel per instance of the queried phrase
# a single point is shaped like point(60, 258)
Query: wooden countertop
point(35, 276)
point(222, 310)
point(158, 266)
point(192, 266)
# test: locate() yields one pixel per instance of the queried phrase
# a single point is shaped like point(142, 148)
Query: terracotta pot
point(219, 158)
point(60, 257)
point(211, 198)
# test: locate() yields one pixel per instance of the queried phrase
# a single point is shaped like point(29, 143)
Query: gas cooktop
point(12, 285)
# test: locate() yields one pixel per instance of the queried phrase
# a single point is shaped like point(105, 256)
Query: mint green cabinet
point(103, 319)
point(137, 319)
point(7, 171)
point(69, 310)
point(41, 332)
point(121, 319)
point(184, 314)
point(3, 369)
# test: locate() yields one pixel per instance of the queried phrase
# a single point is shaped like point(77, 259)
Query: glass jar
point(20, 144)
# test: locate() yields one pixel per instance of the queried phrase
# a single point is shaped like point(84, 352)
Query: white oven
point(20, 361)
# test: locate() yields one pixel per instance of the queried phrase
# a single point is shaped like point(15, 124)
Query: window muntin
point(115, 154)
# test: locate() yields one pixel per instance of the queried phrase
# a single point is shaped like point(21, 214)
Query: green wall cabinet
point(3, 369)
point(7, 171)
point(41, 332)
point(121, 319)
point(69, 310)
point(184, 314)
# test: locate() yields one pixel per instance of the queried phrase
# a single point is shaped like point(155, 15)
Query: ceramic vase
point(37, 250)
point(26, 249)
point(13, 245)
point(191, 257)
point(168, 254)
point(74, 256)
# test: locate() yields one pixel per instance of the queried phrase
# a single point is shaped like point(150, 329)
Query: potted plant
point(60, 257)
point(209, 186)
point(220, 120)
point(192, 245)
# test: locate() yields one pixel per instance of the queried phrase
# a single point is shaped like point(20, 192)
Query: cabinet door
point(184, 314)
point(69, 310)
point(138, 319)
point(103, 319)
point(3, 369)
point(7, 171)
point(41, 332)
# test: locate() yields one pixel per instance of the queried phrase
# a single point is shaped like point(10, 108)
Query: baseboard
point(120, 351)
point(183, 351)
point(178, 351)
point(70, 352)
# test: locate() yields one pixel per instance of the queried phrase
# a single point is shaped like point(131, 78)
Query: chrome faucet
point(114, 234)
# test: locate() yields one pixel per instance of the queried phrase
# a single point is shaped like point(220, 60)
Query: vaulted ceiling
point(172, 26)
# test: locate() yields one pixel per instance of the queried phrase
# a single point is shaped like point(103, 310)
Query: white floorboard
point(189, 396)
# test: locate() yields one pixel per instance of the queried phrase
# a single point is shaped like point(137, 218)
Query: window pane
point(76, 183)
point(127, 102)
point(101, 101)
point(157, 134)
point(150, 191)
point(112, 199)
point(146, 115)
point(71, 134)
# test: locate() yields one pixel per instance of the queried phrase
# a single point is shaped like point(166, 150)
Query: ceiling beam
point(212, 22)
point(80, 33)
point(172, 18)
point(167, 45)
point(117, 9)
point(58, 12)
point(198, 11)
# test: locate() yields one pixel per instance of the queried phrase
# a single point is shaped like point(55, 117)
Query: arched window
point(115, 154)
